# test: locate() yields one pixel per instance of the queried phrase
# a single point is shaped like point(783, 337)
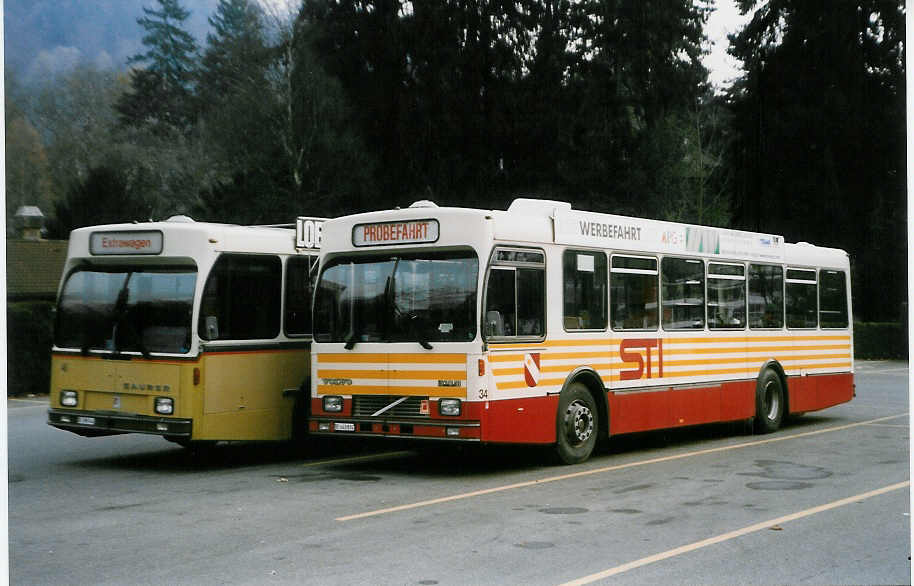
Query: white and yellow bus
point(194, 331)
point(547, 325)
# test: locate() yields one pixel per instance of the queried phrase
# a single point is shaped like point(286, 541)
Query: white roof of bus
point(540, 220)
point(189, 235)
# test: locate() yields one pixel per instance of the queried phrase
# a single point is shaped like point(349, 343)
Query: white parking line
point(503, 488)
point(734, 534)
point(32, 401)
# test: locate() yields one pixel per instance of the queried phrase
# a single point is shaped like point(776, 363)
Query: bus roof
point(178, 236)
point(541, 220)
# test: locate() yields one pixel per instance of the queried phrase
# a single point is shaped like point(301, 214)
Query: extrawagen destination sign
point(138, 242)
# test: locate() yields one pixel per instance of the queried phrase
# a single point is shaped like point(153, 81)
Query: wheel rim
point(579, 423)
point(772, 401)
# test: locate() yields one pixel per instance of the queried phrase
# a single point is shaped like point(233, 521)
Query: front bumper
point(431, 429)
point(93, 423)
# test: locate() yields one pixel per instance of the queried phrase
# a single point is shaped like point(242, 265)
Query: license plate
point(343, 426)
point(85, 420)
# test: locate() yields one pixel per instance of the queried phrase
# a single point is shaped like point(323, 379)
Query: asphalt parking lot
point(823, 500)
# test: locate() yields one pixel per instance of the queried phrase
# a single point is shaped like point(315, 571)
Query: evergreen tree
point(104, 197)
point(236, 55)
point(161, 90)
point(821, 145)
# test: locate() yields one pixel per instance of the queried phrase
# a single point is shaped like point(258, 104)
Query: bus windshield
point(418, 297)
point(127, 309)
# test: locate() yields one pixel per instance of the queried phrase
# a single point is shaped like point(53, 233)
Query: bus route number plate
point(337, 426)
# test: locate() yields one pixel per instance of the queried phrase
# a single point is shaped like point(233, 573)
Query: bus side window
point(242, 298)
point(584, 286)
point(832, 299)
point(766, 296)
point(516, 295)
point(531, 294)
point(633, 293)
point(801, 299)
point(501, 298)
point(298, 296)
point(683, 293)
point(726, 303)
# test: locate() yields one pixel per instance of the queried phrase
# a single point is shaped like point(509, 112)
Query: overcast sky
point(724, 20)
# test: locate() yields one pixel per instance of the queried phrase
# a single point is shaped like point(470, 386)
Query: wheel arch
point(589, 377)
point(773, 365)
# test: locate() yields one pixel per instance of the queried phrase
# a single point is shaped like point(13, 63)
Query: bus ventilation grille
point(368, 405)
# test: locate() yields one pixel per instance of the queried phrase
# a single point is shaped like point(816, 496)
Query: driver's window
point(515, 295)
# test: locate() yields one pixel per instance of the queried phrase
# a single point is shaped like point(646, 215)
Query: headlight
point(449, 406)
point(165, 405)
point(333, 403)
point(69, 398)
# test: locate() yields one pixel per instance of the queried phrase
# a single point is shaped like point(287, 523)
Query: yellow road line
point(583, 473)
point(734, 534)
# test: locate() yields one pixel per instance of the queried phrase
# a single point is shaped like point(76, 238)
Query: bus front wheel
point(769, 402)
point(576, 424)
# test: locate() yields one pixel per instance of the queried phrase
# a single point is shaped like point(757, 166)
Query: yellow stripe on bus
point(750, 371)
point(506, 357)
point(553, 356)
point(521, 384)
point(669, 363)
point(754, 338)
point(668, 339)
point(751, 349)
point(459, 392)
point(392, 358)
point(553, 343)
point(395, 374)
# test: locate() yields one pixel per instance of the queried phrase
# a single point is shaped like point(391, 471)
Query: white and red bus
point(547, 325)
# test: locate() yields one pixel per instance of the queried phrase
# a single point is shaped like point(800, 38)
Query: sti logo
point(638, 352)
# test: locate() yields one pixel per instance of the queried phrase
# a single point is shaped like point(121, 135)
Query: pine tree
point(161, 89)
point(236, 55)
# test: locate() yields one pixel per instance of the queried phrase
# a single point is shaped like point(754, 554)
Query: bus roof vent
point(423, 203)
point(537, 206)
point(181, 218)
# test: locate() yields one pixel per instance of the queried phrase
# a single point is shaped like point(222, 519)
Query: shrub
point(29, 337)
point(880, 340)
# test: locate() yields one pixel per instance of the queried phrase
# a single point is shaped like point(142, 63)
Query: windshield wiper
point(416, 332)
point(351, 341)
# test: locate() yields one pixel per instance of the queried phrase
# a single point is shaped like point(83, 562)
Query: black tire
point(577, 425)
point(195, 447)
point(181, 441)
point(300, 412)
point(769, 402)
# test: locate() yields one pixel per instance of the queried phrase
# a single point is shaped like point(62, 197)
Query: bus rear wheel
point(577, 425)
point(769, 403)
